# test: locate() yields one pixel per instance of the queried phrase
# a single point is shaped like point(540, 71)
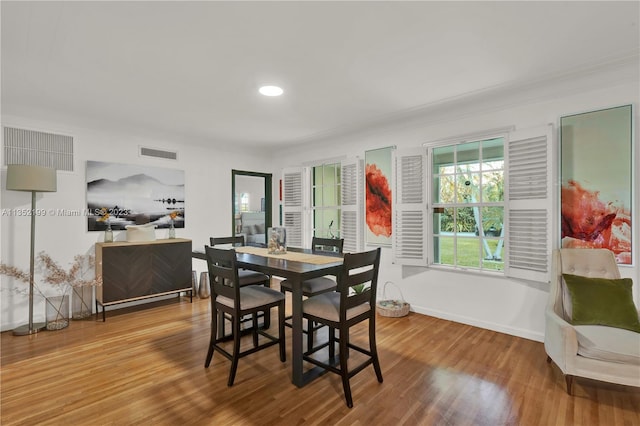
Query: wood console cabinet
point(139, 270)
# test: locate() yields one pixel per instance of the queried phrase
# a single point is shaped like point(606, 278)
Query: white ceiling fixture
point(271, 90)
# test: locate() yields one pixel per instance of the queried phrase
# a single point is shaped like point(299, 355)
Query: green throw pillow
point(602, 301)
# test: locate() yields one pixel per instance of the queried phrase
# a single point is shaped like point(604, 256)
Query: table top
point(293, 266)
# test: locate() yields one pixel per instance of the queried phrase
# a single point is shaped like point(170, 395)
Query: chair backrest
point(359, 270)
point(327, 245)
point(223, 273)
point(237, 241)
point(593, 263)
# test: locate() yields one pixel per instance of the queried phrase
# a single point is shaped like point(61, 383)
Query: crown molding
point(609, 72)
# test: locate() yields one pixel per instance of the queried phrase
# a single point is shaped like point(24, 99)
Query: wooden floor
point(145, 366)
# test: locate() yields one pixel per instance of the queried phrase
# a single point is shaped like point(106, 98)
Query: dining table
point(297, 266)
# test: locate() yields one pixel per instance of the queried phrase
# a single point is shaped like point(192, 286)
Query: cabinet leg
point(104, 317)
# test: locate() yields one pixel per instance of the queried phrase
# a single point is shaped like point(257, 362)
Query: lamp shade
point(21, 177)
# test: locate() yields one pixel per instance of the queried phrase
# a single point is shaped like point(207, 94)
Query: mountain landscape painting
point(125, 194)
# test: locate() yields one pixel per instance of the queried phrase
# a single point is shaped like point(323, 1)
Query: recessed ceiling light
point(271, 90)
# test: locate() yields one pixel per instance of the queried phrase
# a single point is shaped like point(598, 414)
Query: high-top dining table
point(296, 266)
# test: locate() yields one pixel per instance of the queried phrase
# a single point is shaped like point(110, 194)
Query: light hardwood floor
point(145, 366)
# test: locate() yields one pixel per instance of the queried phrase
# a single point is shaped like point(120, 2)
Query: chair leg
point(344, 370)
point(310, 335)
point(236, 350)
point(374, 350)
point(283, 353)
point(548, 359)
point(212, 341)
point(569, 381)
point(254, 332)
point(221, 325)
point(332, 342)
point(266, 320)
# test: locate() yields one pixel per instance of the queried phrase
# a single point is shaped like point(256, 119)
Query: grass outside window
point(468, 253)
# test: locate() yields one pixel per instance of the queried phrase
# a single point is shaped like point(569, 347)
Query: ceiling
point(191, 70)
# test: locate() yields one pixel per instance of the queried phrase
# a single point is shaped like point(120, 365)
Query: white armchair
point(593, 351)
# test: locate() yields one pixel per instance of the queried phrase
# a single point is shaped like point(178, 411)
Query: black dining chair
point(237, 301)
point(353, 302)
point(246, 276)
point(318, 285)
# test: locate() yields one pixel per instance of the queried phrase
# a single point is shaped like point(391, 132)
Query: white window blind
point(352, 199)
point(529, 195)
point(292, 205)
point(409, 241)
point(34, 148)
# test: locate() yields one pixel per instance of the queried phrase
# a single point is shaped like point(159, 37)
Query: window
point(325, 200)
point(482, 203)
point(244, 202)
point(468, 204)
point(326, 190)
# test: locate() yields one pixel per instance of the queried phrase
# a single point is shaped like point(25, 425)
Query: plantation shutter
point(352, 205)
point(409, 238)
point(292, 205)
point(529, 201)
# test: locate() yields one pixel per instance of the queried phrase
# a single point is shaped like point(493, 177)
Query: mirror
point(251, 206)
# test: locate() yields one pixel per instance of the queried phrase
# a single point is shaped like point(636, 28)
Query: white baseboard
point(501, 328)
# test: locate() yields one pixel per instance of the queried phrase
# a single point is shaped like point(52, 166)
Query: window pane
point(443, 160)
point(437, 221)
point(326, 200)
point(332, 218)
point(494, 261)
point(493, 186)
point(318, 220)
point(443, 220)
point(317, 176)
point(329, 174)
point(330, 195)
point(492, 165)
point(443, 250)
point(468, 187)
point(493, 150)
point(327, 223)
point(492, 220)
point(444, 189)
point(468, 252)
point(317, 196)
point(468, 153)
point(466, 219)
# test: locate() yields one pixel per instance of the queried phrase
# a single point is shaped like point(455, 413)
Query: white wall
point(208, 203)
point(499, 304)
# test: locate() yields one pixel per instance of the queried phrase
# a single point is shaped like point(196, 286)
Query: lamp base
point(24, 330)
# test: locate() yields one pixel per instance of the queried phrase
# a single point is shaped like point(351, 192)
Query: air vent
point(158, 153)
point(33, 148)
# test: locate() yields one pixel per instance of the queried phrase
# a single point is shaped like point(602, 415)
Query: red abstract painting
point(588, 222)
point(596, 181)
point(378, 201)
point(378, 198)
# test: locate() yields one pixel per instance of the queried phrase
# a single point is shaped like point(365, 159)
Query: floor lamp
point(33, 179)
